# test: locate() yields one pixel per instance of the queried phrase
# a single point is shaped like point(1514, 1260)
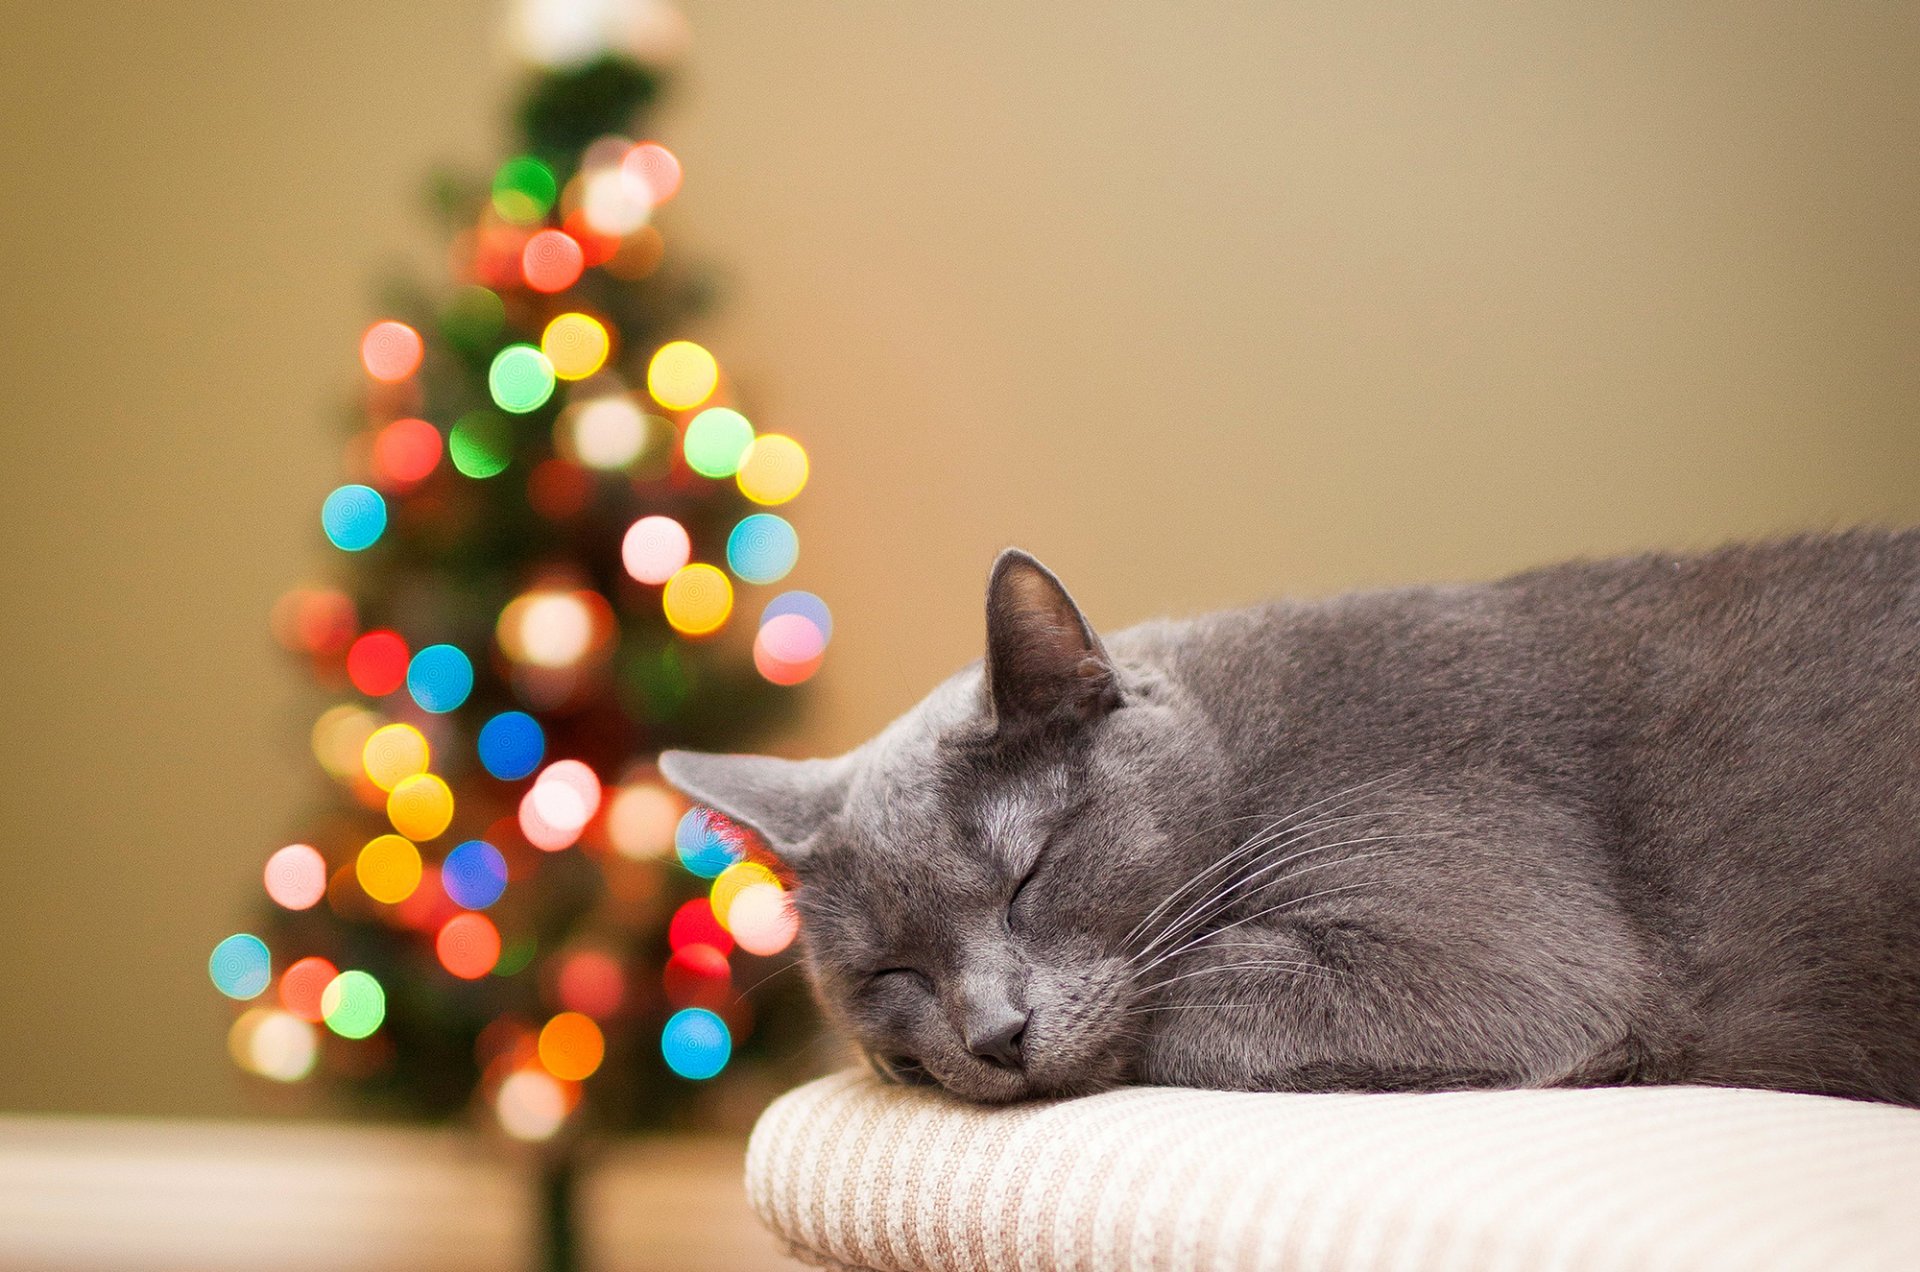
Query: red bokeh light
point(406, 451)
point(552, 261)
point(694, 924)
point(468, 945)
point(377, 663)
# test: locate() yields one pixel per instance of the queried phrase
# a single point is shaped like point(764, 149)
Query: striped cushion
point(855, 1174)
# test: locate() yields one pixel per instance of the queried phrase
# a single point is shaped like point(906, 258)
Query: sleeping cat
point(1649, 820)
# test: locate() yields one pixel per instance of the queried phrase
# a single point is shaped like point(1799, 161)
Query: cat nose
point(996, 1038)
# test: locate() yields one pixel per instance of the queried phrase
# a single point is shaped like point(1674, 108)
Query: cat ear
point(786, 801)
point(1044, 661)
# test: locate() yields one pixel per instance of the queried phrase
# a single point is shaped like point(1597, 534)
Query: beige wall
point(1201, 305)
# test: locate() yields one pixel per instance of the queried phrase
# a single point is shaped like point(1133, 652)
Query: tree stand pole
point(559, 1214)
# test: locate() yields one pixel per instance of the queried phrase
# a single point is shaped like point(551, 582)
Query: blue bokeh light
point(511, 745)
point(696, 1043)
point(762, 548)
point(805, 604)
point(440, 677)
point(241, 966)
point(474, 874)
point(701, 842)
point(354, 517)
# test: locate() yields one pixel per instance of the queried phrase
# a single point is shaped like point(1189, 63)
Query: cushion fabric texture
point(856, 1174)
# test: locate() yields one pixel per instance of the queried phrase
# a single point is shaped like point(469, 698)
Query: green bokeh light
point(520, 379)
point(353, 1004)
point(473, 319)
point(523, 190)
point(717, 441)
point(481, 443)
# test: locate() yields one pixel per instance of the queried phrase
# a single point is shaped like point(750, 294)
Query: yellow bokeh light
point(393, 753)
point(734, 880)
point(576, 344)
point(388, 869)
point(774, 471)
point(641, 819)
point(682, 375)
point(273, 1043)
point(340, 737)
point(697, 599)
point(420, 807)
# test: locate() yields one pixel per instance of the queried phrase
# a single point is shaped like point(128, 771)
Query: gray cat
point(1638, 821)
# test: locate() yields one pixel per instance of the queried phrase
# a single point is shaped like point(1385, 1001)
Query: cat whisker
point(1294, 967)
point(1226, 893)
point(1241, 892)
point(1202, 939)
point(1285, 822)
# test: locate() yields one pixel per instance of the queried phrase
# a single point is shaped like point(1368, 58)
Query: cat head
point(971, 881)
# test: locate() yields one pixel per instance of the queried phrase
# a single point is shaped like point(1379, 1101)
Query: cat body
point(1646, 820)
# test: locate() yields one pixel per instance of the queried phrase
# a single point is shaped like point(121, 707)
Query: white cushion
point(852, 1173)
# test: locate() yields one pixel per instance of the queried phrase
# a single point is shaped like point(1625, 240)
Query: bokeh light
point(302, 984)
point(468, 945)
point(353, 1004)
point(575, 345)
point(481, 444)
point(762, 548)
point(697, 599)
point(578, 781)
point(377, 663)
point(394, 752)
point(521, 379)
point(474, 875)
point(406, 451)
point(611, 204)
point(420, 807)
point(806, 604)
point(762, 919)
point(340, 737)
point(523, 190)
point(552, 261)
point(774, 470)
point(571, 1046)
point(694, 924)
point(440, 677)
point(654, 170)
point(354, 517)
point(296, 877)
point(473, 318)
point(314, 620)
point(241, 966)
point(716, 442)
point(388, 869)
point(274, 1044)
point(697, 976)
point(591, 982)
point(546, 629)
point(531, 1105)
point(681, 375)
point(729, 883)
point(641, 818)
point(654, 549)
point(788, 648)
point(705, 842)
point(391, 351)
point(511, 745)
point(562, 800)
point(607, 432)
point(695, 1043)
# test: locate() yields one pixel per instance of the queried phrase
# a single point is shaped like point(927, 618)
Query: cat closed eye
point(903, 976)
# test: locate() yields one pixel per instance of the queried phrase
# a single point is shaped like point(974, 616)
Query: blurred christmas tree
point(502, 911)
